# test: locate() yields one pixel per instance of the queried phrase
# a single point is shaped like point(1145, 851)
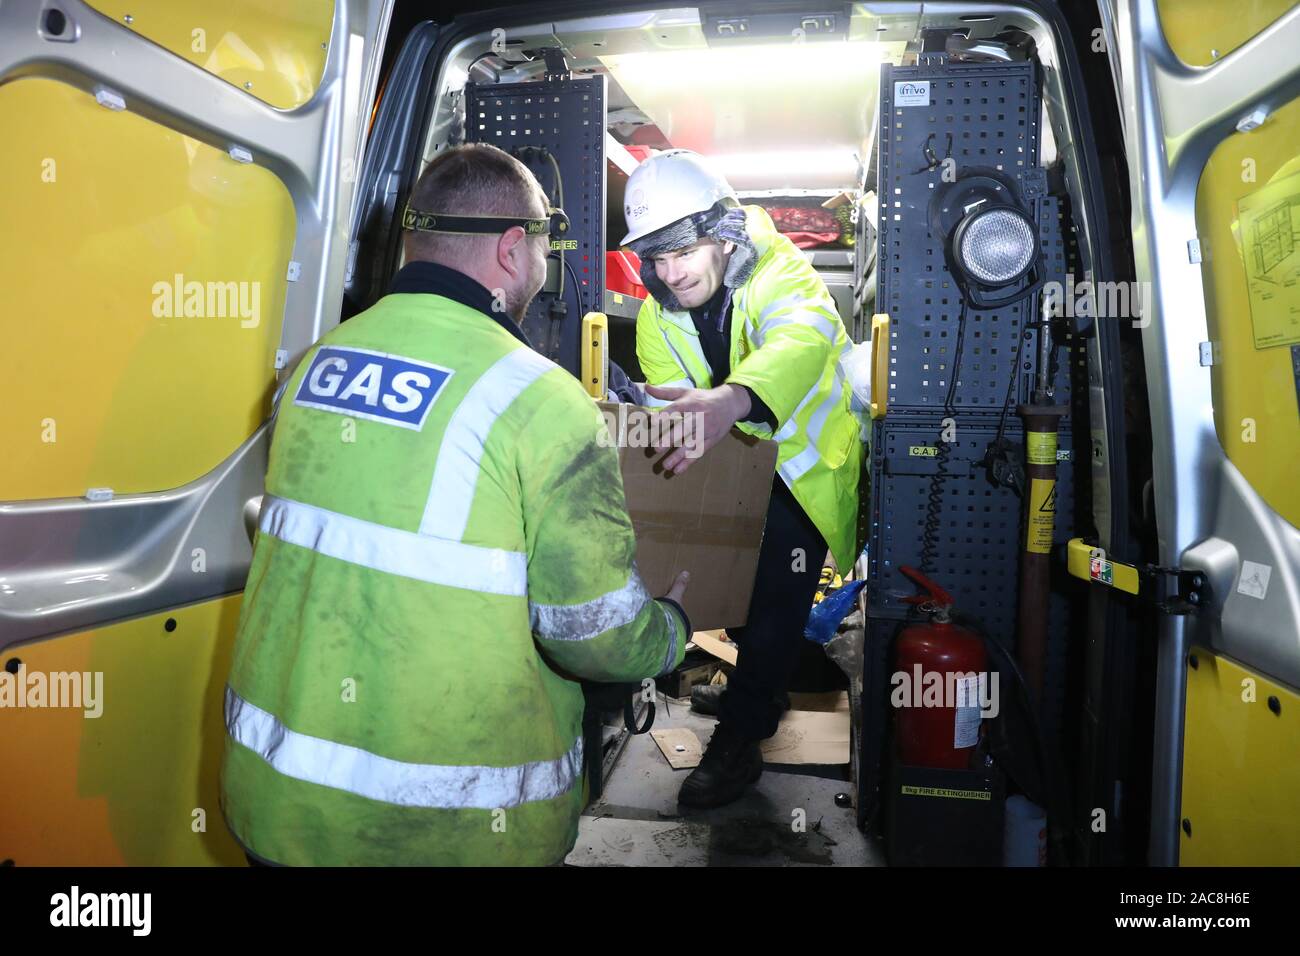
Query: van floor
point(636, 821)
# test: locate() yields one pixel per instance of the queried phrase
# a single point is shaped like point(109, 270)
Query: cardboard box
point(697, 668)
point(680, 747)
point(718, 644)
point(708, 521)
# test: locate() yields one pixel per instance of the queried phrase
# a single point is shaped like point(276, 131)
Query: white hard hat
point(668, 187)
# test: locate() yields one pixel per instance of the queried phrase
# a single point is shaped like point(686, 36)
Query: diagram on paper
point(1270, 233)
point(1274, 240)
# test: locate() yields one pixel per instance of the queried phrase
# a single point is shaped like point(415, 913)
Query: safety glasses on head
point(556, 225)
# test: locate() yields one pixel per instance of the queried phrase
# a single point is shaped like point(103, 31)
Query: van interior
point(843, 126)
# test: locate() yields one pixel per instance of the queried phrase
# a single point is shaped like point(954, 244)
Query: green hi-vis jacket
point(443, 549)
point(787, 342)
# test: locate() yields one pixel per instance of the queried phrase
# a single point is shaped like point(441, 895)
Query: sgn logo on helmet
point(636, 206)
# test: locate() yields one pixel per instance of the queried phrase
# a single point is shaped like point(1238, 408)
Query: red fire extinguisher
point(940, 670)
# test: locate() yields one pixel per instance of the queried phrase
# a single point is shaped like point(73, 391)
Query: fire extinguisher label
point(966, 731)
point(910, 791)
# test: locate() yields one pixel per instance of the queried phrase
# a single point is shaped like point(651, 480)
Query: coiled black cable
point(934, 497)
point(933, 506)
point(1011, 383)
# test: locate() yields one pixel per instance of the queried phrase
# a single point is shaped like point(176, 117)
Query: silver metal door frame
point(1207, 515)
point(69, 564)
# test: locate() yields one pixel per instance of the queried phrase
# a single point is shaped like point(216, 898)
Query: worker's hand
point(678, 590)
point(708, 414)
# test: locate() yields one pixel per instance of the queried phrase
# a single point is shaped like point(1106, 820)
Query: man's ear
point(508, 251)
point(728, 247)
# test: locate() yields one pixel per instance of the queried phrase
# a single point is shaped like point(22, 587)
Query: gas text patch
point(363, 384)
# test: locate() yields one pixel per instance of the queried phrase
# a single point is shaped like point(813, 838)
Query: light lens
point(997, 246)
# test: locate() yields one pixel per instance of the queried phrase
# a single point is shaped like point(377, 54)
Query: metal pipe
point(1043, 389)
point(1041, 420)
point(1040, 520)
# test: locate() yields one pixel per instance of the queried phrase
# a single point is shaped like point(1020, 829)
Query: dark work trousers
point(771, 641)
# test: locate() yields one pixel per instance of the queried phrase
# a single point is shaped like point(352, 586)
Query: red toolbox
point(623, 273)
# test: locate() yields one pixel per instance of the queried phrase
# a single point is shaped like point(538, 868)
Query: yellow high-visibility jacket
point(787, 344)
point(444, 548)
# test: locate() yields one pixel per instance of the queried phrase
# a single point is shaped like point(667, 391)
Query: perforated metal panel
point(568, 118)
point(978, 544)
point(991, 112)
point(974, 115)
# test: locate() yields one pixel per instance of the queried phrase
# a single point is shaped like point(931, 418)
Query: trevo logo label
point(912, 93)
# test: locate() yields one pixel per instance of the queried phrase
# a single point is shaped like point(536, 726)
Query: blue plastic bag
point(824, 619)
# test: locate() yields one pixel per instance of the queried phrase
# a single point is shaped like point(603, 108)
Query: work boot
point(730, 764)
point(707, 699)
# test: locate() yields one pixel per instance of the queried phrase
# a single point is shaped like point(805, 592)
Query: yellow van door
point(1210, 97)
point(179, 180)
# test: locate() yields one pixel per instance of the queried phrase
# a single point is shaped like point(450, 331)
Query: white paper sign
point(912, 93)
